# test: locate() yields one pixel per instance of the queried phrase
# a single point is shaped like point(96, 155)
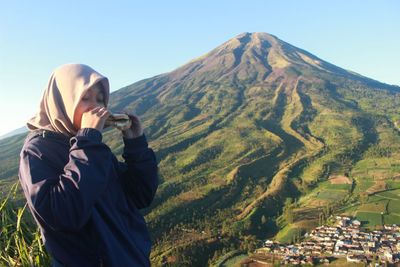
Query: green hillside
point(256, 139)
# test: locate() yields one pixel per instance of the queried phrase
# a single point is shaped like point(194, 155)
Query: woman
point(85, 202)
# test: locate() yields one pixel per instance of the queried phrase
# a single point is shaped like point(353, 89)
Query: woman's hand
point(95, 118)
point(136, 128)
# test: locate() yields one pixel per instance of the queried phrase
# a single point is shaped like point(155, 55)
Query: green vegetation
point(234, 261)
point(20, 240)
point(289, 235)
point(231, 258)
point(238, 133)
point(369, 219)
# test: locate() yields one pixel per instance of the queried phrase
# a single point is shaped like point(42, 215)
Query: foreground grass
point(20, 241)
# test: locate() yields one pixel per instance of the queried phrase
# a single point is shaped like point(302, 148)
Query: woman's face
point(93, 97)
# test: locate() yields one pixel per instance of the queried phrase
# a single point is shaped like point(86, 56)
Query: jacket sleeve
point(140, 171)
point(64, 201)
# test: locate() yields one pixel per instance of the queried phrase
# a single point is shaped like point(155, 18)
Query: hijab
point(66, 86)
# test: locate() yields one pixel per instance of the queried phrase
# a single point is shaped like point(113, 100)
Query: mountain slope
point(14, 132)
point(247, 128)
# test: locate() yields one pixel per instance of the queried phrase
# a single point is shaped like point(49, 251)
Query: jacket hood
point(66, 86)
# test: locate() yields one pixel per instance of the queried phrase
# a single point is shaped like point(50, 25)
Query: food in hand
point(119, 121)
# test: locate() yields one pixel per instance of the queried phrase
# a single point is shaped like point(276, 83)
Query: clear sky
point(131, 40)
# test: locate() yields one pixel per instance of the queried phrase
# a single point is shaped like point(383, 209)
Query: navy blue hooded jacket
point(85, 201)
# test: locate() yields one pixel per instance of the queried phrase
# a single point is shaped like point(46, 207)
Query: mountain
point(14, 132)
point(259, 139)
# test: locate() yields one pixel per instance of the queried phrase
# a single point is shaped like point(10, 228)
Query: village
point(344, 239)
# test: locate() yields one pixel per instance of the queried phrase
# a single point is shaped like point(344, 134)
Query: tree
point(320, 219)
point(288, 214)
point(288, 210)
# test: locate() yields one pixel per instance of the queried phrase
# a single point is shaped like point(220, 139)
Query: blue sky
point(131, 40)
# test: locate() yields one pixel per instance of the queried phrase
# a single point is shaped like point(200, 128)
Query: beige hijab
point(67, 85)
